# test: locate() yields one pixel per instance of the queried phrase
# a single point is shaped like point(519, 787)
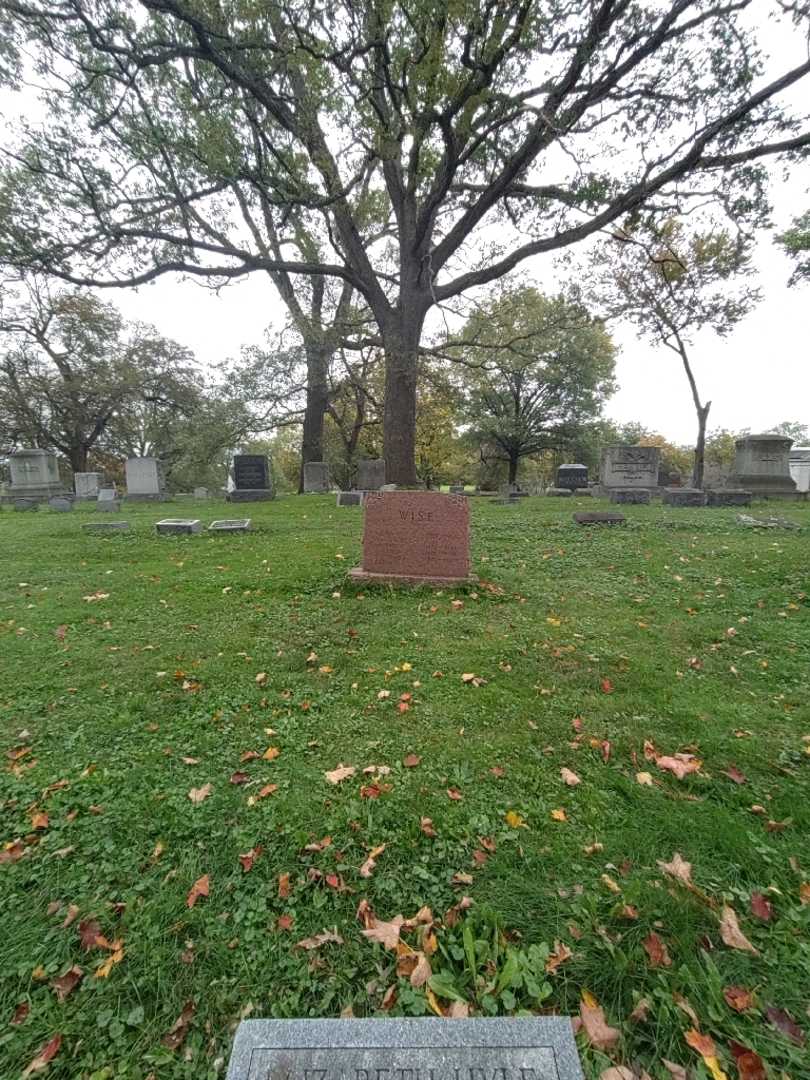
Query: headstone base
point(364, 576)
point(728, 497)
point(558, 492)
point(150, 497)
point(350, 498)
point(630, 496)
point(230, 525)
point(684, 496)
point(60, 503)
point(25, 504)
point(599, 517)
point(250, 495)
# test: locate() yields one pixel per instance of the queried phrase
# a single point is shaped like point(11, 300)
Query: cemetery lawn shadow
point(137, 670)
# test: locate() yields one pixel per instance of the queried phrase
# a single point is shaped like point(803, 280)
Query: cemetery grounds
point(229, 776)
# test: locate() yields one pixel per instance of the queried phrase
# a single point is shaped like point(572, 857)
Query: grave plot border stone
point(728, 497)
point(178, 526)
point(106, 526)
point(683, 496)
point(630, 496)
point(599, 517)
point(530, 1048)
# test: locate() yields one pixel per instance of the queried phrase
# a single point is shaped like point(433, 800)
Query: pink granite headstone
point(416, 536)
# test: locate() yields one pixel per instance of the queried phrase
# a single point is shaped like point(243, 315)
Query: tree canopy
point(796, 242)
point(398, 134)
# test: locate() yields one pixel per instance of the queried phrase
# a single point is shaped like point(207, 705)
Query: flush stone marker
point(536, 1048)
point(415, 537)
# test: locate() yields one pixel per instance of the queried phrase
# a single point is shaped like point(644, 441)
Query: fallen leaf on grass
point(89, 931)
point(198, 794)
point(239, 778)
point(610, 884)
point(20, 1014)
point(733, 773)
point(570, 778)
point(786, 1024)
point(68, 982)
point(680, 765)
point(731, 934)
point(749, 1063)
point(374, 791)
point(283, 886)
point(342, 772)
point(656, 950)
point(738, 998)
point(284, 922)
point(560, 954)
point(760, 907)
point(804, 893)
point(200, 888)
point(45, 1054)
point(606, 686)
point(268, 789)
point(13, 852)
point(600, 1034)
point(644, 778)
point(411, 761)
point(426, 825)
point(514, 820)
point(704, 1045)
point(677, 1072)
point(618, 1072)
point(471, 679)
point(558, 815)
point(639, 1014)
point(248, 859)
point(323, 938)
point(368, 866)
point(386, 933)
point(454, 793)
point(115, 957)
point(271, 753)
point(39, 820)
point(176, 1034)
point(679, 869)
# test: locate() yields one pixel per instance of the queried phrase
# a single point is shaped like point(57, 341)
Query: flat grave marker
point(230, 525)
point(106, 526)
point(535, 1048)
point(178, 526)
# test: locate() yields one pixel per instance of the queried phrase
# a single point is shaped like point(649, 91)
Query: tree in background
point(532, 370)
point(796, 243)
point(672, 283)
point(430, 148)
point(74, 377)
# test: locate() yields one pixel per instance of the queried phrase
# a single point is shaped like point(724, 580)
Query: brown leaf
point(421, 972)
point(733, 773)
point(656, 951)
point(738, 998)
point(20, 1014)
point(677, 1072)
point(199, 888)
point(600, 1034)
point(68, 982)
point(39, 820)
point(249, 755)
point(387, 933)
point(283, 886)
point(786, 1024)
point(411, 761)
point(683, 1004)
point(239, 778)
point(198, 794)
point(268, 789)
point(45, 1054)
point(454, 793)
point(72, 912)
point(639, 1014)
point(426, 825)
point(367, 868)
point(284, 922)
point(570, 778)
point(678, 869)
point(176, 1034)
point(730, 931)
point(498, 771)
point(341, 772)
point(618, 1072)
point(13, 852)
point(560, 954)
point(680, 765)
point(271, 753)
point(760, 907)
point(749, 1063)
point(248, 859)
point(317, 940)
point(89, 932)
point(373, 791)
point(703, 1044)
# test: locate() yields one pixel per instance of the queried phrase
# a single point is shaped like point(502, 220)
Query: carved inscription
point(421, 533)
point(414, 1063)
point(250, 472)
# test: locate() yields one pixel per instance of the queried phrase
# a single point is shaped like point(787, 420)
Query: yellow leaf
point(589, 999)
point(610, 884)
point(271, 753)
point(558, 815)
point(434, 1004)
point(114, 958)
point(514, 820)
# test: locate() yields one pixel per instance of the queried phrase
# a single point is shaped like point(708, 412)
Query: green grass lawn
point(138, 668)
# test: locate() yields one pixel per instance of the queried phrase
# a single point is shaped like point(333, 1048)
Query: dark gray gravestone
point(684, 496)
point(251, 477)
point(572, 477)
point(630, 496)
point(536, 1048)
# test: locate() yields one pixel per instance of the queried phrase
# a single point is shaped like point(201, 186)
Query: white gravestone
point(144, 479)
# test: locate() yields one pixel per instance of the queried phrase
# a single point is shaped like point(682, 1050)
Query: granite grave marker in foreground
point(415, 537)
point(536, 1048)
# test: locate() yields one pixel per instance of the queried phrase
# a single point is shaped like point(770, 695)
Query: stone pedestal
point(316, 477)
point(728, 497)
point(87, 484)
point(559, 492)
point(178, 526)
point(684, 496)
point(144, 479)
point(572, 477)
point(350, 498)
point(370, 474)
point(630, 496)
point(34, 475)
point(626, 467)
point(762, 466)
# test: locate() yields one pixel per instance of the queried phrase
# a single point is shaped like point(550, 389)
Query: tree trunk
point(700, 445)
point(78, 458)
point(401, 345)
point(513, 468)
point(317, 401)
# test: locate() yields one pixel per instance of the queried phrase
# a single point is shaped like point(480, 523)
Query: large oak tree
point(430, 147)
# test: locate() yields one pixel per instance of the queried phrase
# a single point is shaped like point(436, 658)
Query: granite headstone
point(34, 474)
point(316, 477)
point(145, 481)
point(630, 496)
point(415, 537)
point(573, 476)
point(370, 474)
point(629, 467)
point(524, 1048)
point(87, 484)
point(251, 478)
point(762, 466)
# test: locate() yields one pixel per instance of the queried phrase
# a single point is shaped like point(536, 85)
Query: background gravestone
point(251, 479)
point(629, 467)
point(61, 503)
point(108, 500)
point(762, 466)
point(316, 477)
point(572, 477)
point(370, 474)
point(87, 484)
point(34, 475)
point(535, 1048)
point(350, 498)
point(415, 536)
point(799, 465)
point(144, 479)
